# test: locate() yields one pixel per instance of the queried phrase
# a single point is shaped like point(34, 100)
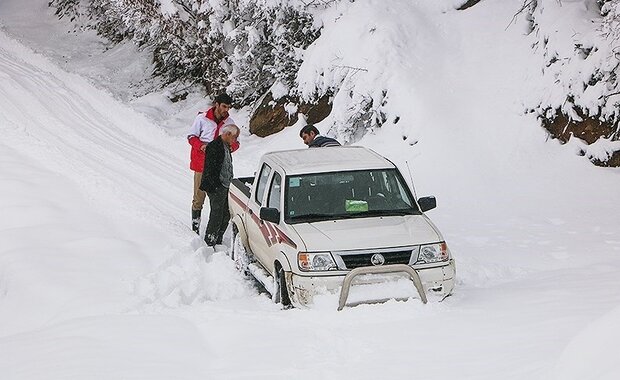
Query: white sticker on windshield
point(294, 182)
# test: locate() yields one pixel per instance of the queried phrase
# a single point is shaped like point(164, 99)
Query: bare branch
point(351, 68)
point(609, 95)
point(526, 5)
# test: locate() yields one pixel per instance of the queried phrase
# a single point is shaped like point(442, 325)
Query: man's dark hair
point(223, 98)
point(309, 128)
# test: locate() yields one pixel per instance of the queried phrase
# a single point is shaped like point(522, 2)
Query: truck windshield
point(343, 195)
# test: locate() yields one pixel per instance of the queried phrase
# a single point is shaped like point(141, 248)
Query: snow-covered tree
point(267, 40)
point(244, 46)
point(67, 8)
point(579, 42)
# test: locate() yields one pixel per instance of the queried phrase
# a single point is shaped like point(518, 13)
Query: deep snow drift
point(100, 276)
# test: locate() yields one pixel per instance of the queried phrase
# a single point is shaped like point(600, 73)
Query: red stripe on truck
point(270, 232)
point(282, 238)
point(237, 200)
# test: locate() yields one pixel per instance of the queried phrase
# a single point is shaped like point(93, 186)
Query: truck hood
point(367, 233)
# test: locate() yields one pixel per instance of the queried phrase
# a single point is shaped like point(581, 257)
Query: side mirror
point(427, 203)
point(270, 214)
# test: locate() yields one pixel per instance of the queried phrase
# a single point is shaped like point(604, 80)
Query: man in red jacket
point(206, 128)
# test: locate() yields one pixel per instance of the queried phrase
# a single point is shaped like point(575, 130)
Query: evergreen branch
point(311, 3)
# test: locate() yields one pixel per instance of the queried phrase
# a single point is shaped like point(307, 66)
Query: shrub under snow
point(579, 94)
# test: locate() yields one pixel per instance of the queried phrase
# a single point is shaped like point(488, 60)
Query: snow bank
point(107, 347)
point(593, 354)
point(189, 279)
point(371, 57)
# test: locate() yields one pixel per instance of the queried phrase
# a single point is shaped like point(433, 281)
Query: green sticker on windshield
point(294, 182)
point(351, 205)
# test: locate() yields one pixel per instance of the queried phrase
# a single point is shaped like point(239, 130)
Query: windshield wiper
point(410, 211)
point(371, 213)
point(312, 216)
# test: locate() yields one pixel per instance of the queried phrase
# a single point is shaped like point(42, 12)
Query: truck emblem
point(377, 259)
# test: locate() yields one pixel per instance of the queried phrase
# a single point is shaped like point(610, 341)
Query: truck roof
point(328, 159)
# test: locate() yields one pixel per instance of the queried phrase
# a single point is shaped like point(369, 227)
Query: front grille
point(363, 259)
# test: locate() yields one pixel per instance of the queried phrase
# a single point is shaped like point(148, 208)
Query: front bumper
point(303, 289)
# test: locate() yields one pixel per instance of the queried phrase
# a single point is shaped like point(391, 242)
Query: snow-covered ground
point(101, 278)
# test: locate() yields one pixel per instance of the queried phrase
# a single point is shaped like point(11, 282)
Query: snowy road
point(59, 118)
point(100, 277)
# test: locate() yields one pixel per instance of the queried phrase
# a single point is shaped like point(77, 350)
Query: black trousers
point(218, 217)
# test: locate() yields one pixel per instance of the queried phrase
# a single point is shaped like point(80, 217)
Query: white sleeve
point(196, 128)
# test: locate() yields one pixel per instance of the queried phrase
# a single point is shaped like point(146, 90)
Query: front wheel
point(280, 294)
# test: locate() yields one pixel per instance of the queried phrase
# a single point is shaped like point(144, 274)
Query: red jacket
point(204, 130)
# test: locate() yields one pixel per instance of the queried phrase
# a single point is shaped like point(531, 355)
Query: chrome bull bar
point(393, 268)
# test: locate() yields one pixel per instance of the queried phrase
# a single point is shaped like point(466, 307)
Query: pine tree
point(244, 46)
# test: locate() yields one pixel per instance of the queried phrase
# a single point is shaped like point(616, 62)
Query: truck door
point(274, 200)
point(257, 230)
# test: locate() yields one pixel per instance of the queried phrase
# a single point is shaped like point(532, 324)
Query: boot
point(196, 221)
point(220, 237)
point(210, 240)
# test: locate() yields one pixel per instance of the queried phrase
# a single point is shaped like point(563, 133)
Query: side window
point(275, 191)
point(262, 183)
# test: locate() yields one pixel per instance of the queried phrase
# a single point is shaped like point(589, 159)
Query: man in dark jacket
point(311, 136)
point(218, 172)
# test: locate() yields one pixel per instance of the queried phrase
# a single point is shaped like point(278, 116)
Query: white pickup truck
point(312, 220)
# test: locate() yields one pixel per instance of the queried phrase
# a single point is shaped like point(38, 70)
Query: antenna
point(415, 194)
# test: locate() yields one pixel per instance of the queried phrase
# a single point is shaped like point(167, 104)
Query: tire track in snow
point(70, 126)
point(101, 132)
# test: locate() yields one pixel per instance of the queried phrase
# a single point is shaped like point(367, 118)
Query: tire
point(231, 251)
point(280, 294)
point(238, 253)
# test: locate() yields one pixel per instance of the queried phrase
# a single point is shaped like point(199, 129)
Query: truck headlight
point(433, 253)
point(316, 261)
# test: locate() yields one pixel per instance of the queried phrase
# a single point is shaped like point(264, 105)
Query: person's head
point(229, 133)
point(223, 102)
point(308, 133)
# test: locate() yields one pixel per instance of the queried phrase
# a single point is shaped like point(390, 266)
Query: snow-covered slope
point(100, 276)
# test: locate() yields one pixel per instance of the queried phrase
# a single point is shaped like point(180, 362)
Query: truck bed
point(244, 184)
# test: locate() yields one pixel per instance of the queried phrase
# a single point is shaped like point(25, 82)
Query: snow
point(279, 90)
point(101, 277)
point(588, 355)
point(168, 7)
